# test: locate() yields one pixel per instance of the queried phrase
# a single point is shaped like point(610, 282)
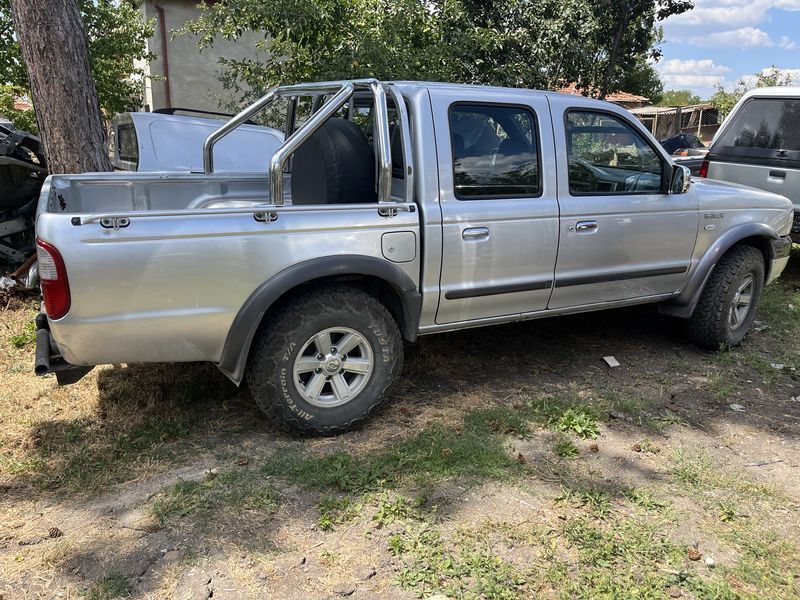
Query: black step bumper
point(49, 359)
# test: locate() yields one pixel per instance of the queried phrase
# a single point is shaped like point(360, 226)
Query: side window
point(495, 151)
point(766, 123)
point(606, 155)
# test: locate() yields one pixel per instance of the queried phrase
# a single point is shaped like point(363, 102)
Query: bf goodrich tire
point(729, 300)
point(325, 361)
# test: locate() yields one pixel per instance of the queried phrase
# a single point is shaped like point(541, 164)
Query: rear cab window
point(495, 151)
point(766, 128)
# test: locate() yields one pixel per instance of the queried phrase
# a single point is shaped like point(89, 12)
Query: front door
point(622, 236)
point(498, 199)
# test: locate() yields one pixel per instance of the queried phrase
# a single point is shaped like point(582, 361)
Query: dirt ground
point(511, 463)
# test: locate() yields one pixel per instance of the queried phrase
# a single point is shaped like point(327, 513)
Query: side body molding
point(683, 304)
point(240, 335)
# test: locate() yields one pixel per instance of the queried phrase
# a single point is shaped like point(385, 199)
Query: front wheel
point(326, 360)
point(728, 303)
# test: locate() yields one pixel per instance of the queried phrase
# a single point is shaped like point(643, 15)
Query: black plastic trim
point(570, 281)
point(780, 248)
point(742, 156)
point(240, 336)
point(512, 288)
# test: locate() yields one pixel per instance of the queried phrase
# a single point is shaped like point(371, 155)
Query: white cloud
point(793, 74)
point(787, 43)
point(728, 13)
point(704, 66)
point(696, 74)
point(745, 37)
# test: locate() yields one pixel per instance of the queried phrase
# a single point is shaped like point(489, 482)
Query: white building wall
point(192, 81)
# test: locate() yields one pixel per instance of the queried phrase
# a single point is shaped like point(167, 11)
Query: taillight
point(704, 169)
point(53, 273)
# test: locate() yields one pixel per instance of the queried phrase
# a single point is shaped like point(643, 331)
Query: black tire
point(270, 369)
point(710, 327)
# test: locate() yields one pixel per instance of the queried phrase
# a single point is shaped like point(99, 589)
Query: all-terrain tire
point(710, 327)
point(270, 370)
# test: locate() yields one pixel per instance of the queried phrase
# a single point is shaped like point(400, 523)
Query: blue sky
point(720, 41)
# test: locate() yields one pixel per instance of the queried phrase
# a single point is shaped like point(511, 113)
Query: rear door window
point(765, 123)
point(495, 151)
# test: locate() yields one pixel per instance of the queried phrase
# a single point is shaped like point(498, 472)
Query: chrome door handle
point(586, 225)
point(475, 233)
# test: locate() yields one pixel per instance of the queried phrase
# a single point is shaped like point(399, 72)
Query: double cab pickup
point(390, 211)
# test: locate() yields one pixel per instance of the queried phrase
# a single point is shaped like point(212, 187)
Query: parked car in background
point(686, 150)
point(759, 145)
point(165, 141)
point(395, 210)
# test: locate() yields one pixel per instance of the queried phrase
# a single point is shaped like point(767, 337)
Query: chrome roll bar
point(342, 91)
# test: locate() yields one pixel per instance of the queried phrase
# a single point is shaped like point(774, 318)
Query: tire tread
point(707, 326)
point(286, 325)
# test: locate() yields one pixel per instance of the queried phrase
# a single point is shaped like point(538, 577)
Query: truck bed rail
point(259, 212)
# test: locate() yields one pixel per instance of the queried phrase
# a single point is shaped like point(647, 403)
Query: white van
point(759, 145)
point(165, 141)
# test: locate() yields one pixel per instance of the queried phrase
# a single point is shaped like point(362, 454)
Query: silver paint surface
point(167, 288)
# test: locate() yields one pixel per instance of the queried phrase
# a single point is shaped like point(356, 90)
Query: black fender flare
point(684, 303)
point(240, 336)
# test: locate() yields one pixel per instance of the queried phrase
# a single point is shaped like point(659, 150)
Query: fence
point(663, 122)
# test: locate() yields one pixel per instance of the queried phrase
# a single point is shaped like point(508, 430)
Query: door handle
point(778, 174)
point(475, 233)
point(586, 225)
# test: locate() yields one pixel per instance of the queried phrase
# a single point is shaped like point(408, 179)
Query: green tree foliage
point(600, 44)
point(679, 98)
point(769, 77)
point(643, 79)
point(117, 36)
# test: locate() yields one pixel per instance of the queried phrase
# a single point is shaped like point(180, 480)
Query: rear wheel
point(326, 361)
point(727, 306)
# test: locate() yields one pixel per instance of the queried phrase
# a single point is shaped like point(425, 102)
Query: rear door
point(760, 146)
point(497, 182)
point(622, 236)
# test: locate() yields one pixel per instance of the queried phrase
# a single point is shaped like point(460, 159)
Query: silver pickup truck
point(392, 210)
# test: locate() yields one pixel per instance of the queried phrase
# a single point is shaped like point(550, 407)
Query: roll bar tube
point(342, 92)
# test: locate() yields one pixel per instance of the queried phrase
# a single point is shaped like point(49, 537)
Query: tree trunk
point(55, 50)
point(622, 25)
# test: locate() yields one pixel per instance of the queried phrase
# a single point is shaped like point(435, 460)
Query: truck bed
point(166, 261)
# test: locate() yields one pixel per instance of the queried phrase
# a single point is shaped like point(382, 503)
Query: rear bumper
point(48, 357)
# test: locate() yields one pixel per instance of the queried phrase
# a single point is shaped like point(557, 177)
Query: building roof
point(652, 110)
point(573, 89)
point(22, 105)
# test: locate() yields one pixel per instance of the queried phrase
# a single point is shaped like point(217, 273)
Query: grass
point(110, 587)
point(597, 501)
point(335, 510)
point(578, 422)
point(25, 337)
point(117, 425)
point(461, 570)
point(235, 491)
point(599, 540)
point(476, 450)
point(690, 470)
point(768, 566)
point(565, 448)
point(643, 498)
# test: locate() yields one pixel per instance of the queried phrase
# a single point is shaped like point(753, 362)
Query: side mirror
point(681, 180)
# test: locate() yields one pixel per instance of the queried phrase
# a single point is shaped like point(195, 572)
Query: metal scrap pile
point(23, 169)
